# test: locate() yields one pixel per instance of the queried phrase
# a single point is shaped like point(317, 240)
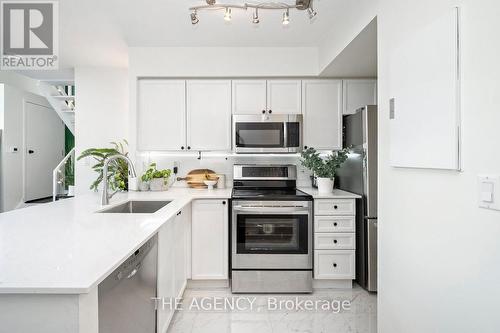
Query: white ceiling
point(99, 32)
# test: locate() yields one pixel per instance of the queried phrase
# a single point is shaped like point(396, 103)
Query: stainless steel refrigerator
point(359, 175)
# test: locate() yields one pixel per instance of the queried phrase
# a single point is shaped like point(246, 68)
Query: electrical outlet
point(176, 167)
point(489, 192)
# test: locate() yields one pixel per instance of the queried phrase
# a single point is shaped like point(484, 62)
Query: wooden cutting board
point(195, 178)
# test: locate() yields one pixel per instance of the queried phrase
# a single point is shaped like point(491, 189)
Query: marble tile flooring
point(204, 311)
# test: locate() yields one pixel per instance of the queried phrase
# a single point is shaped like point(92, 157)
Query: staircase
point(61, 96)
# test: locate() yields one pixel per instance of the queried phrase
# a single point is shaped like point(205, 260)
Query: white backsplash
point(221, 164)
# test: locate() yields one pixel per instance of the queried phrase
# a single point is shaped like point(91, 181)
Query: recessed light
point(227, 15)
point(286, 18)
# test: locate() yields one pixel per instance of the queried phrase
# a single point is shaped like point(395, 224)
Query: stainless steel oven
point(267, 133)
point(271, 235)
point(271, 231)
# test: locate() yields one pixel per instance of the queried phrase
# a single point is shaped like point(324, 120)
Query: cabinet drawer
point(334, 207)
point(334, 224)
point(334, 264)
point(343, 241)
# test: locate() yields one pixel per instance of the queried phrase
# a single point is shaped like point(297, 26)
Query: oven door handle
point(267, 210)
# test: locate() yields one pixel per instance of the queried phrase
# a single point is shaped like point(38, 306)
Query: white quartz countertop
point(66, 247)
point(336, 194)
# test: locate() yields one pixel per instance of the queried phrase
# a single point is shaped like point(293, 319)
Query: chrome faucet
point(105, 196)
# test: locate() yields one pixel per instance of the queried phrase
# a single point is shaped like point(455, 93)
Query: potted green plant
point(157, 179)
point(117, 169)
point(324, 168)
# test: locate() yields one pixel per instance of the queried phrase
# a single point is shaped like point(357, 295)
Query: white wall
point(438, 252)
point(102, 115)
point(356, 14)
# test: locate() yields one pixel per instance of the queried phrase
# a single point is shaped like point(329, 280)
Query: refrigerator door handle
point(372, 230)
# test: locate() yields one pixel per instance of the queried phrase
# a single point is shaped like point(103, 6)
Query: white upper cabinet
point(161, 116)
point(249, 96)
point(322, 109)
point(209, 239)
point(208, 115)
point(358, 93)
point(284, 96)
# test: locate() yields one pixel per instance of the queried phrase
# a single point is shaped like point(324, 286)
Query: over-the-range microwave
point(266, 133)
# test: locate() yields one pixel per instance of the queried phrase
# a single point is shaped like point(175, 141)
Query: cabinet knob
point(263, 111)
point(335, 207)
point(31, 151)
point(334, 265)
point(179, 213)
point(189, 147)
point(270, 111)
point(334, 241)
point(305, 147)
point(223, 202)
point(182, 147)
point(335, 224)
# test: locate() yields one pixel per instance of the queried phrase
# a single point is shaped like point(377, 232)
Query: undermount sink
point(136, 207)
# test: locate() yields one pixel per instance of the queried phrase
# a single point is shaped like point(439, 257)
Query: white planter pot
point(144, 186)
point(158, 184)
point(325, 185)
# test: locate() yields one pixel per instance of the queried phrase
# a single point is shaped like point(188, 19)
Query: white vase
point(158, 184)
point(325, 185)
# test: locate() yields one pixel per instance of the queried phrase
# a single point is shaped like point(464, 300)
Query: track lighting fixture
point(194, 18)
point(227, 15)
point(211, 5)
point(286, 17)
point(256, 16)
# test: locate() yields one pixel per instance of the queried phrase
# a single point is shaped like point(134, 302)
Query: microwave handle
point(285, 135)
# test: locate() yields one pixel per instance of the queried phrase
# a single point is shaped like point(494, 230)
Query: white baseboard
point(332, 284)
point(207, 284)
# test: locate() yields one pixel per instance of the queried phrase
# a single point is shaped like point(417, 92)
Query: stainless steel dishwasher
point(125, 304)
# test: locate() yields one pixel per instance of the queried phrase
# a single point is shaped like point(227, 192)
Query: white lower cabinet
point(172, 257)
point(334, 264)
point(166, 273)
point(334, 239)
point(209, 240)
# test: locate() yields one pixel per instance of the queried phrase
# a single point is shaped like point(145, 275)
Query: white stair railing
point(61, 97)
point(59, 174)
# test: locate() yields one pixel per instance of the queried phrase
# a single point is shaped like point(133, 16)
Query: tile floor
point(264, 315)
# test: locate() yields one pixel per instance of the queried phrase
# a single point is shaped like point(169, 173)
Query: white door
point(358, 93)
point(209, 240)
point(284, 96)
point(44, 135)
point(322, 109)
point(249, 96)
point(161, 115)
point(209, 115)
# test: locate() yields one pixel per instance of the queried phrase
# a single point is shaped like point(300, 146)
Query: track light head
point(256, 16)
point(227, 15)
point(194, 18)
point(286, 17)
point(311, 12)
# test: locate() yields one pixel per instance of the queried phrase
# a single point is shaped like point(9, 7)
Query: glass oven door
point(272, 234)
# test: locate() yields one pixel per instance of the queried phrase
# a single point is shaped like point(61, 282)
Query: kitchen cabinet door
point(161, 115)
point(322, 109)
point(248, 96)
point(209, 239)
point(166, 273)
point(284, 96)
point(180, 255)
point(358, 93)
point(209, 115)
